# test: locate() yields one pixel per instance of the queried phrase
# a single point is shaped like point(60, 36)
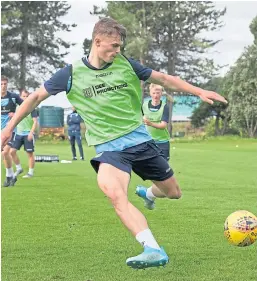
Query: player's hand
point(209, 96)
point(6, 135)
point(30, 136)
point(10, 114)
point(146, 121)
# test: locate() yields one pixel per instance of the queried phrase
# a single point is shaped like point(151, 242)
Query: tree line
point(239, 86)
point(167, 36)
point(31, 49)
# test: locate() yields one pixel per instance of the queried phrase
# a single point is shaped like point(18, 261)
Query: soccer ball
point(240, 228)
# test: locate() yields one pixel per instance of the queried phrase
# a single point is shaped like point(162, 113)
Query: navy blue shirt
point(33, 114)
point(73, 121)
point(61, 80)
point(165, 115)
point(8, 104)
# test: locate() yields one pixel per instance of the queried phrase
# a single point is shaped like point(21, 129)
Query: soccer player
point(104, 87)
point(8, 106)
point(73, 122)
point(25, 137)
point(156, 118)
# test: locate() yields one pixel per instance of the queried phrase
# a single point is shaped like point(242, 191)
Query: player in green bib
point(25, 137)
point(156, 118)
point(104, 87)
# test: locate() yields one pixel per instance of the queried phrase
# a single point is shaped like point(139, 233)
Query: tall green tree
point(30, 45)
point(239, 86)
point(243, 92)
point(179, 28)
point(253, 28)
point(6, 13)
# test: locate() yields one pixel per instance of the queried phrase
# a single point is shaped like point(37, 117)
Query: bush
point(210, 128)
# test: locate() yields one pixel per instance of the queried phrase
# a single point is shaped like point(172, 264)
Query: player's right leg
point(16, 161)
point(114, 183)
point(113, 179)
point(16, 145)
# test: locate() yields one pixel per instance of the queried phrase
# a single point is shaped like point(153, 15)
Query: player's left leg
point(169, 188)
point(113, 179)
point(150, 194)
point(29, 147)
point(71, 137)
point(151, 165)
point(18, 141)
point(114, 183)
point(163, 189)
point(79, 143)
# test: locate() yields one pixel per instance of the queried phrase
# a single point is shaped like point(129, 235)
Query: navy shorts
point(165, 147)
point(23, 140)
point(146, 160)
point(10, 142)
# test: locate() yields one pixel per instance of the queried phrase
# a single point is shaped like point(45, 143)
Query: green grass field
point(58, 226)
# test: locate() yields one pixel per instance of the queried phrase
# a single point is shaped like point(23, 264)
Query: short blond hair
point(153, 86)
point(109, 26)
point(4, 78)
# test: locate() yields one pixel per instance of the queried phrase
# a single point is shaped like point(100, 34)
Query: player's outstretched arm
point(24, 109)
point(177, 84)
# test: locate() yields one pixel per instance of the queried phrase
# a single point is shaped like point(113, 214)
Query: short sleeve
point(34, 114)
point(143, 73)
point(18, 99)
point(59, 81)
point(165, 115)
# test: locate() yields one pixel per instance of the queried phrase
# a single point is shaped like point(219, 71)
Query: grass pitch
point(58, 226)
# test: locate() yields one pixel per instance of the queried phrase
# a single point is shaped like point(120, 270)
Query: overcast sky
point(235, 34)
